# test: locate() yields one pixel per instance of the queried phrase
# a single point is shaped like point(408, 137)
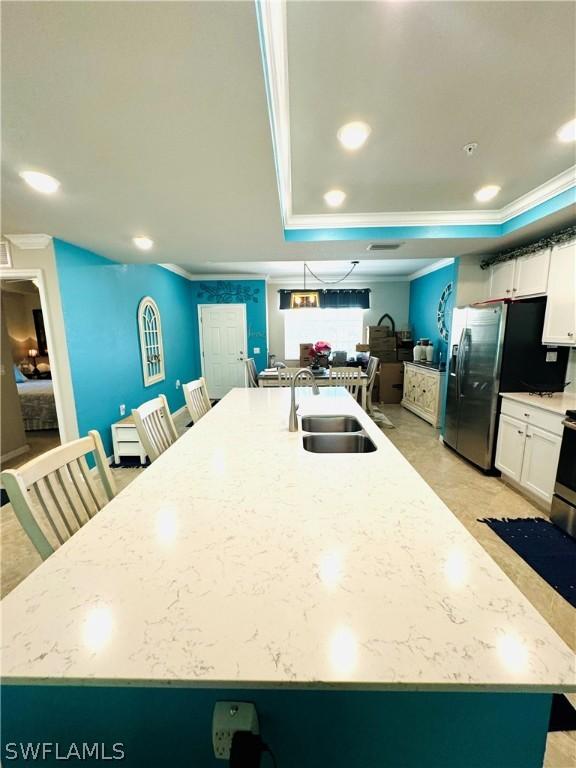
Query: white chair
point(55, 494)
point(197, 400)
point(346, 377)
point(373, 363)
point(251, 372)
point(155, 426)
point(286, 375)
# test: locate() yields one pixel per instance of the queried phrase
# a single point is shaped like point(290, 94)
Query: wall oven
point(563, 512)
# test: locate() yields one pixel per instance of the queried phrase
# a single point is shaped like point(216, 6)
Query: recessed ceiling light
point(567, 132)
point(144, 243)
point(487, 193)
point(41, 182)
point(334, 198)
point(353, 135)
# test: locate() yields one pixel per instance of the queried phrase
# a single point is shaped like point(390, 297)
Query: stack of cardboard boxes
point(384, 344)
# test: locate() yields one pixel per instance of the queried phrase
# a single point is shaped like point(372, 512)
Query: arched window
point(151, 347)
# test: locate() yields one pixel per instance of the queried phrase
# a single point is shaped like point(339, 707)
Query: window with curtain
point(151, 347)
point(341, 328)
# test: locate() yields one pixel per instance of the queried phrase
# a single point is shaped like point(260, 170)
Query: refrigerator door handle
point(459, 362)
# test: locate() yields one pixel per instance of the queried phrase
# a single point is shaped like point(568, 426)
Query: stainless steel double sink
point(335, 434)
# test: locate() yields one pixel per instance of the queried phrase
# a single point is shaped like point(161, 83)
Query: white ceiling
point(428, 77)
point(154, 118)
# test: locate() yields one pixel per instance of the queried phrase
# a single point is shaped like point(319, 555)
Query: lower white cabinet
point(125, 440)
point(540, 463)
point(526, 452)
point(510, 449)
point(422, 393)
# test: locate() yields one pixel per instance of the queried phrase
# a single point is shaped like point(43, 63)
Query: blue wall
point(425, 294)
point(100, 304)
point(252, 293)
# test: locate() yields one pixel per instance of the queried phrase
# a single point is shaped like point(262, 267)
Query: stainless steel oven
point(563, 512)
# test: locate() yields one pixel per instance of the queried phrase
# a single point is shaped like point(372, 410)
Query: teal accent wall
point(100, 305)
point(425, 293)
point(252, 293)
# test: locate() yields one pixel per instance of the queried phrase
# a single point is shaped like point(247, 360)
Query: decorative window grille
point(151, 346)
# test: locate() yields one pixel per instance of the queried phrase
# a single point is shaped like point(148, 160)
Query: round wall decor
point(441, 313)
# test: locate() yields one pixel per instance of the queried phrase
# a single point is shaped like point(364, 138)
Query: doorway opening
point(29, 419)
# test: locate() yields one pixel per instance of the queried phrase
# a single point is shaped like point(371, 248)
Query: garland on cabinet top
point(545, 242)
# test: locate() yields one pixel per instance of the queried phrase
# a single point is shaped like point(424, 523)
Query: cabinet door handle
point(520, 432)
point(507, 290)
point(527, 415)
point(570, 333)
point(528, 436)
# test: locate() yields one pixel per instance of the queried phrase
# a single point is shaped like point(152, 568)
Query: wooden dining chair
point(251, 373)
point(197, 400)
point(155, 426)
point(373, 363)
point(346, 377)
point(55, 494)
point(286, 375)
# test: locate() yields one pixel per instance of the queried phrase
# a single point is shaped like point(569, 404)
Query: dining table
point(269, 378)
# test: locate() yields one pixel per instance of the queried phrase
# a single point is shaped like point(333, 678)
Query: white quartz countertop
point(239, 559)
point(559, 402)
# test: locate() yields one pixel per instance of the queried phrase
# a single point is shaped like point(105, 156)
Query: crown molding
point(30, 242)
point(296, 282)
point(431, 268)
point(228, 277)
point(272, 28)
point(177, 270)
point(195, 277)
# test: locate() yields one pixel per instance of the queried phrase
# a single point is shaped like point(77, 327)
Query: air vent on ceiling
point(383, 246)
point(5, 257)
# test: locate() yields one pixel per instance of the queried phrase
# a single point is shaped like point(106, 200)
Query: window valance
point(341, 298)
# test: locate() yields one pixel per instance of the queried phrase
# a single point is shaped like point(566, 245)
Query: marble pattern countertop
point(560, 402)
point(239, 559)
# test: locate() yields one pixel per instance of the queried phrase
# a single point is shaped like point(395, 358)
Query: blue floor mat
point(546, 548)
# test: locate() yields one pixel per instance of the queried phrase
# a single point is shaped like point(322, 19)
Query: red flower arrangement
point(321, 351)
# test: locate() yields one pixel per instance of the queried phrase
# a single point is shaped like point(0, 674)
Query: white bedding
point(38, 405)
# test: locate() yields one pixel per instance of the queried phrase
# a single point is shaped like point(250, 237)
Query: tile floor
point(466, 491)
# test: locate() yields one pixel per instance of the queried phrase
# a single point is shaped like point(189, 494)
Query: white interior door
point(223, 347)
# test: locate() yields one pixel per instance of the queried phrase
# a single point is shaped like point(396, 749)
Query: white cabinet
point(126, 442)
point(528, 449)
point(531, 274)
point(510, 450)
point(541, 455)
point(502, 280)
point(422, 393)
point(560, 319)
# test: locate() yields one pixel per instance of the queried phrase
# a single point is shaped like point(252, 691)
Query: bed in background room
point(37, 404)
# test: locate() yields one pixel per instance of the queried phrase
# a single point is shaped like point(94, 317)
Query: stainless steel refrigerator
point(496, 348)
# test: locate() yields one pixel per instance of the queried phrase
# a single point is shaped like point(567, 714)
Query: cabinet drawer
point(530, 414)
point(130, 449)
point(127, 434)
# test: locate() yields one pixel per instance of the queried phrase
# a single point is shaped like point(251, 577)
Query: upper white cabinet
point(502, 280)
point(531, 274)
point(560, 319)
point(517, 278)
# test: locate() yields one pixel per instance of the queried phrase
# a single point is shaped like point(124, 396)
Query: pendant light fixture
point(306, 299)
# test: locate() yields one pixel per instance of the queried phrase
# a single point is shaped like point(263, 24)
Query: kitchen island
point(337, 592)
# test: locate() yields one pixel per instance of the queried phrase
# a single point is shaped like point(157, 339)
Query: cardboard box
point(390, 382)
point(362, 347)
point(306, 354)
point(382, 342)
point(385, 355)
point(405, 354)
point(379, 332)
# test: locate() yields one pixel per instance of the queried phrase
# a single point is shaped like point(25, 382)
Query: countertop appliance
point(496, 348)
point(563, 512)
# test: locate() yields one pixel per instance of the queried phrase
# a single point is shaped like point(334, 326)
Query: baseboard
point(13, 454)
point(531, 497)
point(179, 412)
